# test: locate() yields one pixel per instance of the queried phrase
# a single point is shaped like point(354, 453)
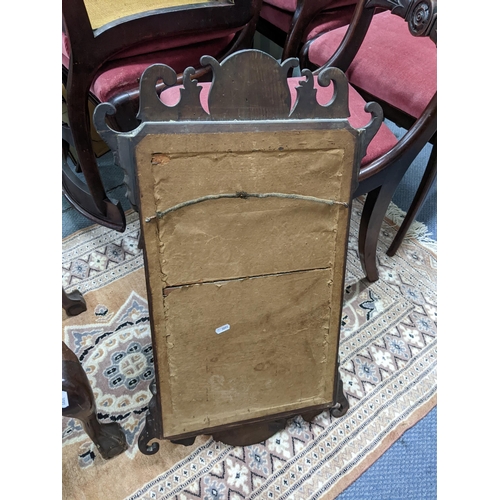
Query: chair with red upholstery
point(287, 22)
point(389, 55)
point(105, 48)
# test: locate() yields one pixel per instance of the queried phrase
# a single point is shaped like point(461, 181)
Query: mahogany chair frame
point(91, 48)
point(380, 178)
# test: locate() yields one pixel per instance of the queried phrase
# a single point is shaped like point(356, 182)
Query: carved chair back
point(388, 53)
point(154, 31)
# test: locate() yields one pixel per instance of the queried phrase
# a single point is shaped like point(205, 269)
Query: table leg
point(79, 403)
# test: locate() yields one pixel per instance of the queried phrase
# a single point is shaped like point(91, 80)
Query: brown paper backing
point(272, 269)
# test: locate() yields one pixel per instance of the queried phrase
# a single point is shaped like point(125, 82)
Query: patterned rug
point(388, 356)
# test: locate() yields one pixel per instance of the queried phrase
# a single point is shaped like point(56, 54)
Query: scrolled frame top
point(248, 85)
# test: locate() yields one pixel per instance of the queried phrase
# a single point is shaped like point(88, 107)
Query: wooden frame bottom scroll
point(245, 224)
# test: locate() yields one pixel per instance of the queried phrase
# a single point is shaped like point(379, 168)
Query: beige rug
point(387, 363)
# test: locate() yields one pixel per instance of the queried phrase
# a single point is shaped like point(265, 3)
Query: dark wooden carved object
point(380, 178)
point(421, 16)
point(235, 157)
point(90, 49)
point(79, 403)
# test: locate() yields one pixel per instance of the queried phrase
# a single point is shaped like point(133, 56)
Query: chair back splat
point(244, 188)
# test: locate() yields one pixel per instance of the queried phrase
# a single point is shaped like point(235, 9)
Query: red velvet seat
point(122, 72)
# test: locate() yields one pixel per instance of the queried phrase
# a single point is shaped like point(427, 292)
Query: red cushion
point(124, 74)
point(391, 64)
point(381, 143)
point(124, 70)
point(332, 19)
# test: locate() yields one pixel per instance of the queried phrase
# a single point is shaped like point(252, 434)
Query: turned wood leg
point(374, 210)
point(79, 403)
point(73, 303)
point(423, 188)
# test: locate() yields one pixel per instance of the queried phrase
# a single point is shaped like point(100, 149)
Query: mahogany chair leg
point(79, 403)
point(73, 303)
point(67, 138)
point(86, 193)
point(374, 210)
point(109, 213)
point(422, 191)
